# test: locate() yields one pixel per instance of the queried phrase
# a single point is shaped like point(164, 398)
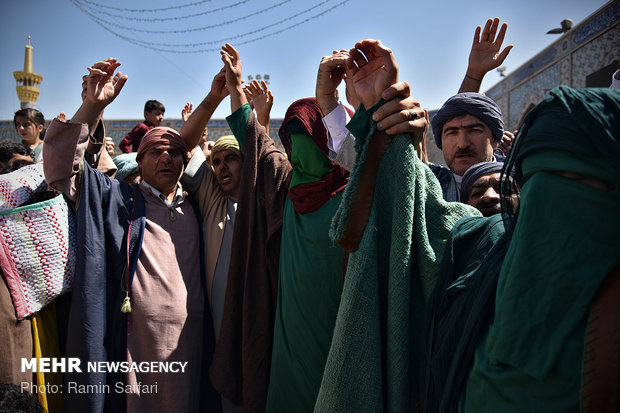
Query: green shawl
point(371, 363)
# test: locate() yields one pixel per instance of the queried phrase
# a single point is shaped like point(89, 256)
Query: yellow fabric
point(225, 142)
point(45, 342)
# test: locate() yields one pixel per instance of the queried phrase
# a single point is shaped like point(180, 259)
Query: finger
point(234, 54)
point(227, 59)
point(493, 29)
point(254, 87)
point(477, 35)
point(402, 116)
point(351, 67)
point(264, 86)
point(119, 85)
point(96, 72)
point(358, 58)
point(397, 89)
point(367, 47)
point(374, 49)
point(502, 56)
point(485, 31)
point(416, 127)
point(501, 34)
point(400, 107)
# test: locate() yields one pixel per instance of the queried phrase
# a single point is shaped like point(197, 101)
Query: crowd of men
point(347, 273)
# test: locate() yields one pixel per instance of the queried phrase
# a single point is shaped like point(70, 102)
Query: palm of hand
point(372, 79)
point(233, 72)
point(262, 102)
point(485, 57)
point(101, 89)
point(219, 86)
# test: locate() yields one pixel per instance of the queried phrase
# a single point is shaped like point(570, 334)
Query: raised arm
point(261, 98)
point(331, 73)
point(103, 86)
point(485, 54)
point(66, 142)
point(234, 82)
point(194, 126)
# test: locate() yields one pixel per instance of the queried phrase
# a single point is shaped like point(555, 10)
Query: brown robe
point(242, 358)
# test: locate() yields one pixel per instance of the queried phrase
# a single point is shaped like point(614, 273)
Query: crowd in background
point(347, 273)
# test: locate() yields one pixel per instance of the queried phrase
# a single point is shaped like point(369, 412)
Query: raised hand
point(485, 51)
point(370, 68)
point(99, 88)
point(233, 74)
point(261, 98)
point(186, 111)
point(218, 85)
point(507, 141)
point(331, 72)
point(232, 63)
point(102, 85)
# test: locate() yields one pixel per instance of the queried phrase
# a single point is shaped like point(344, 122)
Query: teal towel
point(371, 363)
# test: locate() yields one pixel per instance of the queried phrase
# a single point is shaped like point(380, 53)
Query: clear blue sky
point(431, 42)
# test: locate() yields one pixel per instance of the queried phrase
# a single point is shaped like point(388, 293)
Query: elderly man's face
point(484, 194)
point(466, 140)
point(161, 166)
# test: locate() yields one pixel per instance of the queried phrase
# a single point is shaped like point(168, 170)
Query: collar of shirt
point(178, 198)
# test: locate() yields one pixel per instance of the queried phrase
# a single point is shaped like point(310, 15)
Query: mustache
point(463, 152)
point(489, 205)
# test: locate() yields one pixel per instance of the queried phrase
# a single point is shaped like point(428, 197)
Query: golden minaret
point(27, 81)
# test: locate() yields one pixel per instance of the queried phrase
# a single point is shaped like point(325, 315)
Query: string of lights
point(197, 47)
point(174, 18)
point(181, 6)
point(241, 35)
point(176, 31)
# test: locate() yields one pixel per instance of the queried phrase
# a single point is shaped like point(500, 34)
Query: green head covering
point(564, 235)
point(583, 122)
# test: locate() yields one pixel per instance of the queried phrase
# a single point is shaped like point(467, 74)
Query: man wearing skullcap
point(214, 184)
point(467, 128)
point(480, 187)
point(240, 370)
point(138, 290)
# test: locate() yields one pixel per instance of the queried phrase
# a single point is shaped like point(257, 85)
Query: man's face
point(227, 166)
point(154, 117)
point(466, 140)
point(484, 194)
point(161, 167)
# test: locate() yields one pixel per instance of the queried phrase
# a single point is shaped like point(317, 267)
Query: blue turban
point(126, 164)
point(469, 103)
point(473, 173)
